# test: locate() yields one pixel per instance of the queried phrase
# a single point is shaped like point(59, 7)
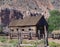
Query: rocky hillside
point(27, 5)
point(56, 4)
point(18, 8)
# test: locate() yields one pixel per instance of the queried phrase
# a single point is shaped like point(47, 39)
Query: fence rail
point(27, 34)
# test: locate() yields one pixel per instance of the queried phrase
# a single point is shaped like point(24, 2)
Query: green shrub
point(53, 44)
point(2, 39)
point(54, 20)
point(13, 41)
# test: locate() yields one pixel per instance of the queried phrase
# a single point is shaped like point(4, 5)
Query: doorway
point(40, 32)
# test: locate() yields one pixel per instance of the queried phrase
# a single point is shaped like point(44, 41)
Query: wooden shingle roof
point(27, 21)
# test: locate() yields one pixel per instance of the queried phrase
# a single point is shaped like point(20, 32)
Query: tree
point(54, 20)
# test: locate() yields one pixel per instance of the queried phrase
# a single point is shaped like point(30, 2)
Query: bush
point(54, 20)
point(53, 44)
point(3, 39)
point(13, 41)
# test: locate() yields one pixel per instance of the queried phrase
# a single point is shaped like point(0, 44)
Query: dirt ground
point(54, 40)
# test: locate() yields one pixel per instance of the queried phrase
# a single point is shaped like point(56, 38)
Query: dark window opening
point(17, 29)
point(22, 29)
point(12, 30)
point(29, 29)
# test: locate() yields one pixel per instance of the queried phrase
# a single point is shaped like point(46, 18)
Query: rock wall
point(24, 8)
point(56, 4)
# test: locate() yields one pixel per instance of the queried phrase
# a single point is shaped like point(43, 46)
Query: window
point(17, 29)
point(22, 29)
point(12, 30)
point(29, 29)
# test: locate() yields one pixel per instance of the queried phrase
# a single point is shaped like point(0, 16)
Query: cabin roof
point(27, 21)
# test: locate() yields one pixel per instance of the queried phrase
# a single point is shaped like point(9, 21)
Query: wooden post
point(39, 35)
point(19, 38)
point(11, 33)
point(46, 37)
point(30, 35)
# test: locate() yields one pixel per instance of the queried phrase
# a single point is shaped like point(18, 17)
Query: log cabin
point(33, 24)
